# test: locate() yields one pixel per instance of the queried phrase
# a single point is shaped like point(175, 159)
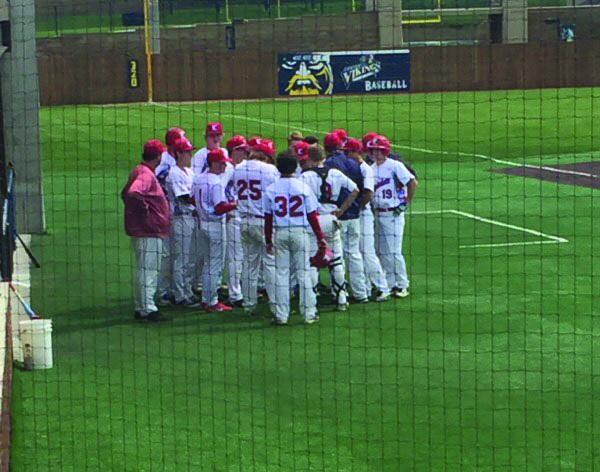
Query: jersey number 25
point(253, 186)
point(295, 203)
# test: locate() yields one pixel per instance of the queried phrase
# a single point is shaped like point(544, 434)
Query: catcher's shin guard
point(336, 289)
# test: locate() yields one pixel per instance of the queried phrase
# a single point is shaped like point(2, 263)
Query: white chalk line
point(549, 238)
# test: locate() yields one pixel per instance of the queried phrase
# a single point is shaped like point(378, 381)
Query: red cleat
point(219, 307)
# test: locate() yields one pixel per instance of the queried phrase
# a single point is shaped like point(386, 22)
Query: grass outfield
point(492, 363)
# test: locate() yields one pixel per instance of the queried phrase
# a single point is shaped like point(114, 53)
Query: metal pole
point(148, 51)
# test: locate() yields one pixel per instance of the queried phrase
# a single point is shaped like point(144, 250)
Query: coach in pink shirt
point(147, 221)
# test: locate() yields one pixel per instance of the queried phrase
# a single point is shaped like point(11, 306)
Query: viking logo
point(308, 74)
point(367, 67)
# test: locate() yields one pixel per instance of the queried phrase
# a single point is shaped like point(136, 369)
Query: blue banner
point(328, 73)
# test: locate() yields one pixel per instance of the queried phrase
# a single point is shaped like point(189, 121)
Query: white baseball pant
point(234, 257)
point(373, 271)
point(255, 257)
point(293, 243)
point(212, 243)
point(165, 279)
point(182, 237)
point(390, 231)
point(353, 257)
point(148, 255)
point(331, 230)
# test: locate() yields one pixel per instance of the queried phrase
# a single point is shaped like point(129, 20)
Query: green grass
point(492, 364)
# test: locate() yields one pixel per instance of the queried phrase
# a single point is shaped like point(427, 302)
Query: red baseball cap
point(352, 144)
point(380, 142)
point(173, 135)
point(301, 150)
point(182, 145)
point(266, 146)
point(216, 155)
point(154, 147)
point(236, 142)
point(341, 132)
point(332, 140)
point(214, 128)
point(367, 137)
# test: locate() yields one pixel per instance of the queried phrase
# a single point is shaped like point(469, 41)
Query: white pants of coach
point(390, 231)
point(293, 243)
point(182, 245)
point(354, 261)
point(255, 257)
point(212, 245)
point(234, 256)
point(331, 230)
point(373, 270)
point(148, 255)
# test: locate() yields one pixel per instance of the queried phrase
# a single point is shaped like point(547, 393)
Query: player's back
point(250, 180)
point(290, 201)
point(327, 185)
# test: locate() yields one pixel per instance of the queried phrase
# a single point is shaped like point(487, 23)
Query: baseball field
point(491, 364)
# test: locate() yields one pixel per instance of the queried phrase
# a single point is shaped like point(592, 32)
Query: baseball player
point(396, 157)
point(179, 192)
point(300, 149)
point(294, 138)
point(213, 134)
point(212, 206)
point(394, 189)
point(373, 270)
point(165, 280)
point(290, 208)
point(236, 146)
point(350, 221)
point(147, 223)
point(327, 185)
point(251, 178)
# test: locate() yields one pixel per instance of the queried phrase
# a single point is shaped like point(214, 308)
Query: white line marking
point(520, 243)
point(550, 239)
point(506, 225)
point(425, 151)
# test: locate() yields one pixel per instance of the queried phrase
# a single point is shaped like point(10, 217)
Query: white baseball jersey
point(250, 180)
point(179, 182)
point(334, 183)
point(166, 162)
point(387, 177)
point(209, 191)
point(368, 180)
point(290, 201)
point(199, 163)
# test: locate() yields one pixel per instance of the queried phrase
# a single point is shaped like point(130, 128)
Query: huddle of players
point(262, 218)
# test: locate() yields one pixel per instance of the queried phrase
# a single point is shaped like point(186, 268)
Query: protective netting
point(448, 200)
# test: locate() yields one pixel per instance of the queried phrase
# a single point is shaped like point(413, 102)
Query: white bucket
point(36, 342)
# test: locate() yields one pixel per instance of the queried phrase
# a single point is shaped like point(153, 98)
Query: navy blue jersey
point(351, 169)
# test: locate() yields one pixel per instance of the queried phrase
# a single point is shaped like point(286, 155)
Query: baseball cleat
point(361, 300)
point(237, 304)
point(166, 299)
point(311, 320)
point(382, 297)
point(276, 322)
point(342, 307)
point(155, 317)
point(189, 303)
point(219, 307)
point(250, 311)
point(399, 292)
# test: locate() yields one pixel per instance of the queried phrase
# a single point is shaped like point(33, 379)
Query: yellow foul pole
point(148, 49)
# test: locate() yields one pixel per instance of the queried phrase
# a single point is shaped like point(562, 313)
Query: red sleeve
point(224, 207)
point(269, 228)
point(313, 219)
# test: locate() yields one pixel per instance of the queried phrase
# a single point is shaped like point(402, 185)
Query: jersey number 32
point(295, 205)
